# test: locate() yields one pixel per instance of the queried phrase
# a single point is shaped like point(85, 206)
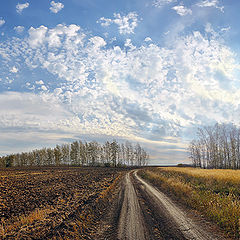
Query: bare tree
point(217, 146)
point(82, 154)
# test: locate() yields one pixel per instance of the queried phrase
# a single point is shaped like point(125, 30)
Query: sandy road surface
point(131, 222)
point(137, 223)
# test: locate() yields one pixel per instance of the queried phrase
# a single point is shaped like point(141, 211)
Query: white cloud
point(56, 6)
point(147, 39)
point(36, 36)
point(225, 29)
point(2, 22)
point(210, 3)
point(182, 10)
point(98, 42)
point(31, 111)
point(128, 44)
point(53, 37)
point(162, 3)
point(126, 24)
point(20, 7)
point(44, 88)
point(14, 69)
point(58, 91)
point(134, 92)
point(40, 82)
point(110, 66)
point(19, 29)
point(105, 22)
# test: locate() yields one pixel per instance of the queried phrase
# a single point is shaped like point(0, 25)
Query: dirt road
point(131, 223)
point(147, 213)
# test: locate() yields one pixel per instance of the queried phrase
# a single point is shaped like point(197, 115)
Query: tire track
point(187, 226)
point(131, 223)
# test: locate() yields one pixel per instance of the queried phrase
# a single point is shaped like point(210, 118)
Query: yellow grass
point(226, 175)
point(215, 193)
point(37, 214)
point(26, 219)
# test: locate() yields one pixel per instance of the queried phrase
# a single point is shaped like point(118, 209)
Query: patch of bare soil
point(55, 203)
point(108, 224)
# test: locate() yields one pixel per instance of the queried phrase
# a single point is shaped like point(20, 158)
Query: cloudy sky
point(148, 71)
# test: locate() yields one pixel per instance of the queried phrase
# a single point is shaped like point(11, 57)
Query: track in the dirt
point(131, 222)
point(147, 213)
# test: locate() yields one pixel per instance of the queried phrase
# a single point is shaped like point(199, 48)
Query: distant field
point(53, 203)
point(215, 193)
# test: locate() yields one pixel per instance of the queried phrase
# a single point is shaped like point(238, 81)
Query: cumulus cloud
point(14, 69)
point(119, 74)
point(182, 10)
point(2, 22)
point(98, 42)
point(162, 3)
point(147, 39)
point(56, 7)
point(37, 36)
point(126, 24)
point(40, 82)
point(44, 88)
point(211, 3)
point(19, 29)
point(20, 7)
point(53, 37)
point(136, 92)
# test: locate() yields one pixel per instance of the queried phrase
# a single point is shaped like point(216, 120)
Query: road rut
point(187, 226)
point(145, 213)
point(131, 224)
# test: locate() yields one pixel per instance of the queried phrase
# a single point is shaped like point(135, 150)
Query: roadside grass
point(215, 193)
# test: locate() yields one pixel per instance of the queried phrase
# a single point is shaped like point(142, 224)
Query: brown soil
point(93, 203)
point(54, 203)
point(147, 213)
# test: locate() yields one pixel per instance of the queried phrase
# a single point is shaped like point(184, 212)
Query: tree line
point(216, 146)
point(80, 153)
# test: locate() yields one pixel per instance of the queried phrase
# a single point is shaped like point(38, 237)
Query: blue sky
point(145, 71)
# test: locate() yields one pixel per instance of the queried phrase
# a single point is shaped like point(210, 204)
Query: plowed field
point(54, 203)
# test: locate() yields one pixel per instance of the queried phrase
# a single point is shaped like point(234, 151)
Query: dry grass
point(37, 215)
point(215, 193)
point(223, 175)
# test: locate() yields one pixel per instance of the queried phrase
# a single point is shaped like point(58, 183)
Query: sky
point(146, 71)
